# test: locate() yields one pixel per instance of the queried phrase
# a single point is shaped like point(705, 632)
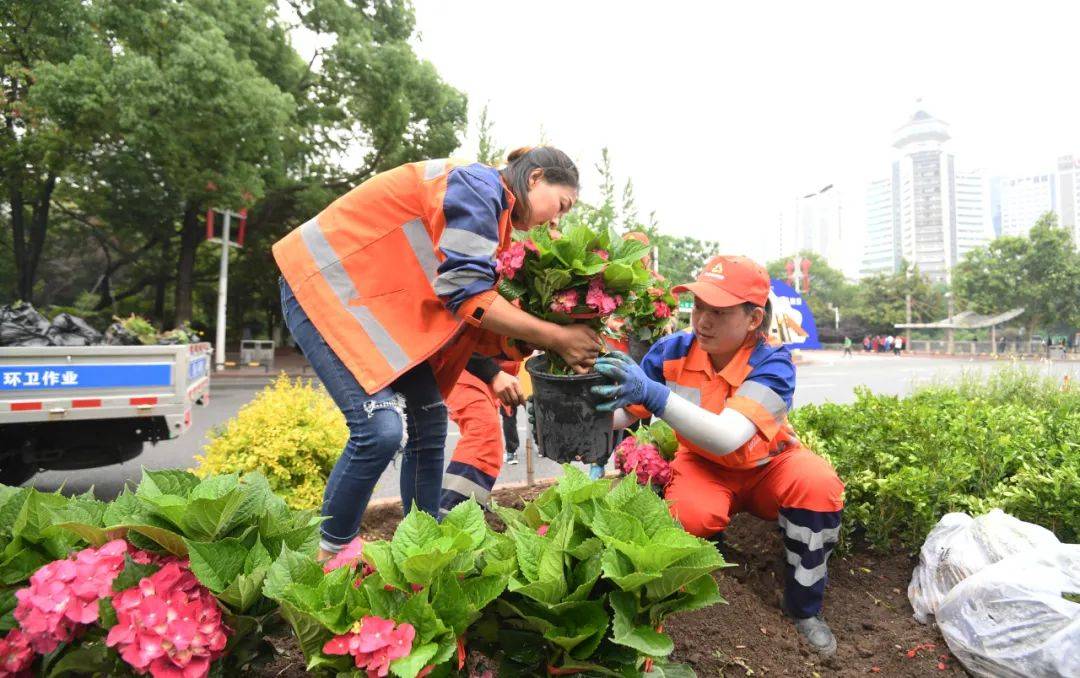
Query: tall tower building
point(938, 213)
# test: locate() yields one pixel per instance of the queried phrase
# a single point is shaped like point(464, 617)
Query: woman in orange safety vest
point(390, 290)
point(726, 391)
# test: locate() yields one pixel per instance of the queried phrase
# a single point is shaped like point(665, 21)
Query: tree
point(828, 287)
point(880, 302)
point(1040, 272)
point(34, 153)
point(488, 152)
point(124, 122)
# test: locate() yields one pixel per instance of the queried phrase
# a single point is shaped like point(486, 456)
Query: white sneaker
point(512, 459)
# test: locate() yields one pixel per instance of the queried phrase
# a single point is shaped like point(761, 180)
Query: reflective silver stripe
point(434, 168)
point(806, 576)
point(454, 280)
point(467, 242)
point(420, 242)
point(465, 487)
point(333, 272)
point(813, 540)
point(688, 392)
point(764, 395)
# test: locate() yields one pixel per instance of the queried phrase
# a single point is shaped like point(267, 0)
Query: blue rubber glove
point(631, 386)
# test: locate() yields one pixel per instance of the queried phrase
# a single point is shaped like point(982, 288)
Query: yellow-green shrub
point(292, 432)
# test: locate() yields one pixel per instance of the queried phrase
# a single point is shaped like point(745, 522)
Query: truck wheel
point(15, 471)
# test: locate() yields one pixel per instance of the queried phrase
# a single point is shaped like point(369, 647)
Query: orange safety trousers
point(796, 488)
point(478, 456)
point(705, 495)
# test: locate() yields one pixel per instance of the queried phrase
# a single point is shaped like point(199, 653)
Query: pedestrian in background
point(847, 346)
point(898, 345)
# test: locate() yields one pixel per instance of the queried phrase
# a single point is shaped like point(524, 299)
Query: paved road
point(825, 377)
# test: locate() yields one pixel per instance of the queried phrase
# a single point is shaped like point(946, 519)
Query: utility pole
point(223, 293)
point(223, 272)
point(907, 307)
point(950, 331)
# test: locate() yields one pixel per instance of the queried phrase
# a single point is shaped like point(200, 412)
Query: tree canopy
point(124, 122)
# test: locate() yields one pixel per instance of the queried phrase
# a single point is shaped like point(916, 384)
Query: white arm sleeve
point(622, 419)
point(719, 434)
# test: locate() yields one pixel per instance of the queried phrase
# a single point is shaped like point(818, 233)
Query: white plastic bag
point(960, 546)
point(1012, 618)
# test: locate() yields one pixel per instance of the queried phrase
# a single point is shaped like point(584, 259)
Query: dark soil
point(866, 606)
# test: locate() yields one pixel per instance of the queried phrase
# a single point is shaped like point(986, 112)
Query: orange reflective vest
point(364, 271)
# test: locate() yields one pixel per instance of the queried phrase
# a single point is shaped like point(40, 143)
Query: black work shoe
point(816, 632)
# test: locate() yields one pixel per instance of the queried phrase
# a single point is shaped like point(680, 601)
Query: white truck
point(83, 406)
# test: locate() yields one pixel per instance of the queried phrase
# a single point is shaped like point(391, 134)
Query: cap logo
point(716, 271)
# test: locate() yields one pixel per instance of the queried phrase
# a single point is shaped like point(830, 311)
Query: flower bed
point(177, 579)
point(163, 581)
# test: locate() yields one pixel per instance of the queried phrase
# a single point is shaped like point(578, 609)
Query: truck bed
point(79, 383)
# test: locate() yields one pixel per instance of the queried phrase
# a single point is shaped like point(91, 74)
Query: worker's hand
point(630, 385)
point(507, 389)
point(578, 345)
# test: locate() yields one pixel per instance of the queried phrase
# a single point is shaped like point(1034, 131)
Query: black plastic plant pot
point(638, 349)
point(568, 427)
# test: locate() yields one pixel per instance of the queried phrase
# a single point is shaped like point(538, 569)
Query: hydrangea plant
point(581, 274)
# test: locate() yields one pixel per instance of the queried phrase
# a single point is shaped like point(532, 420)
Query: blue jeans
point(408, 414)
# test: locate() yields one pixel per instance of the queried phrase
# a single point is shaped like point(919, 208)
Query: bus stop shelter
point(966, 320)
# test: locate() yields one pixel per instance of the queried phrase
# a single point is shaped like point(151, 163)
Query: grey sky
point(724, 112)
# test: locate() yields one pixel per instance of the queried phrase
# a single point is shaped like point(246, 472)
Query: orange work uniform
point(773, 476)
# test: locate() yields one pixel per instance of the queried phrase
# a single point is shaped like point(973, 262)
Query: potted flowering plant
point(581, 274)
point(650, 316)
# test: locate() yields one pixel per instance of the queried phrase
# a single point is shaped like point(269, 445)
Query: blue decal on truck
point(198, 368)
point(36, 377)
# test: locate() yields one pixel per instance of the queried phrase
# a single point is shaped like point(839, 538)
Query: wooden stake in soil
point(529, 461)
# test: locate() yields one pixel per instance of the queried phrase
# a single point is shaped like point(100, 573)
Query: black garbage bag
point(22, 325)
point(69, 330)
point(118, 335)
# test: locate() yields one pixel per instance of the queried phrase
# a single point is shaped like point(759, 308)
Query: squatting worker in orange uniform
point(726, 391)
point(484, 388)
point(390, 290)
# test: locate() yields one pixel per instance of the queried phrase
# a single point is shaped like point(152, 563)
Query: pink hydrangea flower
point(598, 298)
point(63, 595)
point(644, 460)
point(16, 655)
point(511, 260)
point(169, 625)
point(530, 245)
point(554, 233)
point(661, 309)
point(542, 530)
point(374, 642)
point(564, 301)
point(655, 292)
point(603, 254)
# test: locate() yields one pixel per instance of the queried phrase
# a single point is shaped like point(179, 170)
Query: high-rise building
point(818, 224)
point(881, 255)
point(1024, 199)
point(938, 213)
point(1068, 194)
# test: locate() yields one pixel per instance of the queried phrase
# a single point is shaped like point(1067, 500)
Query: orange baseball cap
point(729, 281)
